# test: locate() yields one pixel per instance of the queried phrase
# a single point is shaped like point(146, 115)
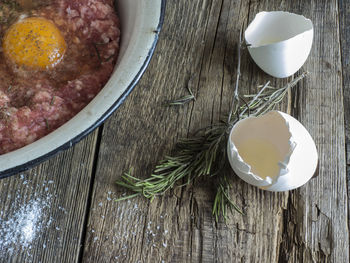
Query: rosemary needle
point(183, 100)
point(47, 124)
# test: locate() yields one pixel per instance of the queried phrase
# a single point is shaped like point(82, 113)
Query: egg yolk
point(34, 42)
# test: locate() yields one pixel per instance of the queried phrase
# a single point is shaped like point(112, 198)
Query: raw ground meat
point(34, 103)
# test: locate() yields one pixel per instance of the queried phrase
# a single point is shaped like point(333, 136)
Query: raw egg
point(34, 42)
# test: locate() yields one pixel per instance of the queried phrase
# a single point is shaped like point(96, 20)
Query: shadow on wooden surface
point(197, 48)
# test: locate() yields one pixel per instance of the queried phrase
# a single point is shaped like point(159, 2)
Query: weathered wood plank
point(190, 229)
point(137, 231)
point(315, 221)
point(43, 210)
point(238, 240)
point(344, 20)
point(197, 48)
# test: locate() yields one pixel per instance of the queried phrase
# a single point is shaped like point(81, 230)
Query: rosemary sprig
point(203, 154)
point(222, 201)
point(200, 155)
point(183, 100)
point(194, 157)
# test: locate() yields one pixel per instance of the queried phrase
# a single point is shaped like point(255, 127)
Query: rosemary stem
point(127, 197)
point(235, 99)
point(255, 98)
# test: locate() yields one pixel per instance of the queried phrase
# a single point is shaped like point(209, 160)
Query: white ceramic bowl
point(141, 21)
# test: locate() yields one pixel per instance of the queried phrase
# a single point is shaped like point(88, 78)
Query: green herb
point(5, 114)
point(183, 100)
point(11, 3)
point(200, 155)
point(97, 52)
point(222, 201)
point(194, 157)
point(99, 55)
point(109, 58)
point(52, 100)
point(8, 11)
point(47, 124)
point(204, 154)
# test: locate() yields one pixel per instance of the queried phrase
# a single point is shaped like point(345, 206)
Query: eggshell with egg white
point(279, 42)
point(299, 154)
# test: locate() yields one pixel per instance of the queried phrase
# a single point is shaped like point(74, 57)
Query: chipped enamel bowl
point(279, 42)
point(141, 22)
point(273, 152)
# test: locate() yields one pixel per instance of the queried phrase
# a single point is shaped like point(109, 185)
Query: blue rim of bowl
point(108, 113)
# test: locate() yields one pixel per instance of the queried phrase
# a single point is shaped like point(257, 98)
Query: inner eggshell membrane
point(273, 27)
point(263, 143)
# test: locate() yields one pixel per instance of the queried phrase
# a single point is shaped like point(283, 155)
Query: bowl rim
point(25, 166)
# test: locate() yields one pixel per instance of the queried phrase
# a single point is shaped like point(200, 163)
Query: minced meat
point(33, 103)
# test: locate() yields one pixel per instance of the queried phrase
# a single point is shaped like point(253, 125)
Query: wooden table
point(73, 193)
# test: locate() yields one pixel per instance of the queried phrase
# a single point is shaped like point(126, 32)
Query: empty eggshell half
point(273, 152)
point(279, 42)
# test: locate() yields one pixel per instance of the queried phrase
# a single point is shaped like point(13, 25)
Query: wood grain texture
point(57, 191)
point(344, 21)
point(197, 48)
point(318, 230)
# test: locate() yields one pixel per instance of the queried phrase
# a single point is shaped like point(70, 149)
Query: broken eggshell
point(279, 42)
point(296, 154)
